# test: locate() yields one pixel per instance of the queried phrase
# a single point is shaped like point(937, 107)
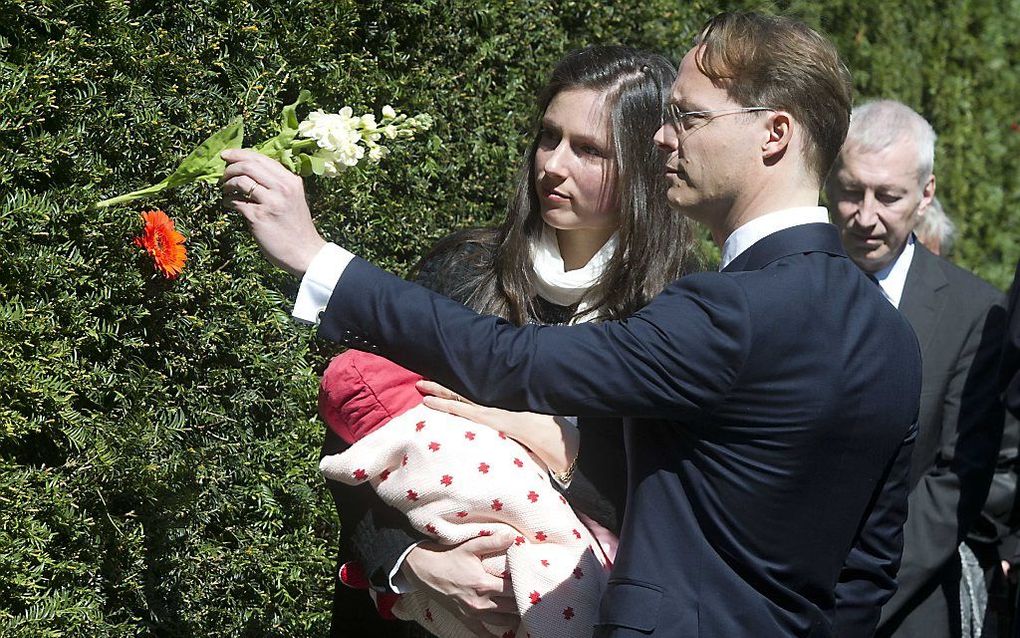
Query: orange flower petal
point(164, 244)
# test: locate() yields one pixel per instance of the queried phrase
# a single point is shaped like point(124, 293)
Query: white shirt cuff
point(398, 582)
point(319, 281)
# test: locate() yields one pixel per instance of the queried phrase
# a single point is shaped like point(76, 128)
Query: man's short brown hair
point(781, 63)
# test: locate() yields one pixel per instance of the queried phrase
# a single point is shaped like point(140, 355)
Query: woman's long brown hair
point(656, 246)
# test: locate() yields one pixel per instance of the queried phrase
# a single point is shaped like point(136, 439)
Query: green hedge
point(158, 440)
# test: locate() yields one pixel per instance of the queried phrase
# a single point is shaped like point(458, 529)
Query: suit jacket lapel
point(921, 303)
point(805, 238)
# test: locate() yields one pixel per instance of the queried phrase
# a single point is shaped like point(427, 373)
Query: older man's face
point(876, 199)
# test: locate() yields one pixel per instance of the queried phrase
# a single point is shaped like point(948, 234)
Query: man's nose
point(666, 139)
point(867, 210)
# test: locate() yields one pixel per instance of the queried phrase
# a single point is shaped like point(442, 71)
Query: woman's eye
point(592, 151)
point(547, 139)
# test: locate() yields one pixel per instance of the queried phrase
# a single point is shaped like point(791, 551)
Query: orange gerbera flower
point(163, 243)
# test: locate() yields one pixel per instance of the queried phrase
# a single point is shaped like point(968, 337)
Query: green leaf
point(275, 147)
point(288, 118)
point(205, 161)
point(317, 163)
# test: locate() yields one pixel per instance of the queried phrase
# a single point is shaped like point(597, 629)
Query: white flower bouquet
point(324, 144)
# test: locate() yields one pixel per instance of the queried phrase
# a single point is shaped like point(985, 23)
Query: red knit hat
point(361, 392)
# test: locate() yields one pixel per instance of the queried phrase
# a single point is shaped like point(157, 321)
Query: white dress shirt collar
point(893, 277)
point(760, 227)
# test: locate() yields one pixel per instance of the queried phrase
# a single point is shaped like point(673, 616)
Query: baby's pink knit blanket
point(457, 480)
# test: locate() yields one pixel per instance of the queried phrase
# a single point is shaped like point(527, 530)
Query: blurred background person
point(935, 230)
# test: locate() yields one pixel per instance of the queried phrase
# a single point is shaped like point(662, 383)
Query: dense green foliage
point(158, 440)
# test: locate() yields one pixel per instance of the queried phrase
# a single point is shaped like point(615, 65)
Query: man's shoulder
point(967, 289)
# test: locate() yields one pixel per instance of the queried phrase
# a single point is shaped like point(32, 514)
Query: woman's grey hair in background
point(936, 230)
point(875, 126)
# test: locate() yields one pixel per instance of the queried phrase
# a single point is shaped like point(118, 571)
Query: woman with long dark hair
point(588, 236)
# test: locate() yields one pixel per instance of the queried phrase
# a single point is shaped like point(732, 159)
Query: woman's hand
point(553, 439)
point(272, 199)
point(455, 578)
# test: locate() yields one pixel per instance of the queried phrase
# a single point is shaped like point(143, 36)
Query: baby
point(456, 480)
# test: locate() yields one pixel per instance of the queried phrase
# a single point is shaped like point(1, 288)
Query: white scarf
point(552, 281)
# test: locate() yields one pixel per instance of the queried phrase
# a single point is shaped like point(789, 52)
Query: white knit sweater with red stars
point(457, 480)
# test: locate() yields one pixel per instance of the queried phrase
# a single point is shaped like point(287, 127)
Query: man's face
point(876, 198)
point(709, 157)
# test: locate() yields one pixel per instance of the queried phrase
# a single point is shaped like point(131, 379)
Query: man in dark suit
point(769, 407)
point(1009, 372)
point(878, 190)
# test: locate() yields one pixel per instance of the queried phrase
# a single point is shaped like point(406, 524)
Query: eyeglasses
point(686, 121)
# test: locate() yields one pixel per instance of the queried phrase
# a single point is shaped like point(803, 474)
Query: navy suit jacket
point(769, 412)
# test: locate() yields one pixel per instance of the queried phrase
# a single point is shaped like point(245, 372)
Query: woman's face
point(574, 163)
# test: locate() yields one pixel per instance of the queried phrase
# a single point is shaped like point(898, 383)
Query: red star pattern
point(535, 598)
point(404, 462)
point(485, 532)
point(434, 446)
point(532, 496)
point(540, 536)
point(545, 563)
point(519, 540)
point(428, 614)
point(462, 514)
point(385, 474)
point(509, 633)
point(483, 468)
point(431, 529)
point(502, 435)
point(419, 426)
point(568, 613)
point(412, 495)
point(518, 462)
point(576, 533)
point(470, 436)
point(360, 474)
point(447, 479)
point(497, 505)
point(578, 574)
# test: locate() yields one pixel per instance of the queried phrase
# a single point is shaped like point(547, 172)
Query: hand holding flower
point(273, 202)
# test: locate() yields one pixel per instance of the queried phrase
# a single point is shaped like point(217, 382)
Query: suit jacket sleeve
point(948, 498)
point(680, 354)
point(996, 526)
point(868, 578)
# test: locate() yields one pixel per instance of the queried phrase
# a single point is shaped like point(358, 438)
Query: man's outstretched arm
point(681, 353)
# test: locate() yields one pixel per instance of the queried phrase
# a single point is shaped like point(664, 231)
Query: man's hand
point(272, 199)
point(454, 577)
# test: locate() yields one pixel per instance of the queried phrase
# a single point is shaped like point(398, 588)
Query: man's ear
point(779, 133)
point(927, 194)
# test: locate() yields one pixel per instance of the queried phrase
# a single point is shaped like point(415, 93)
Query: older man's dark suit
point(771, 420)
point(958, 319)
